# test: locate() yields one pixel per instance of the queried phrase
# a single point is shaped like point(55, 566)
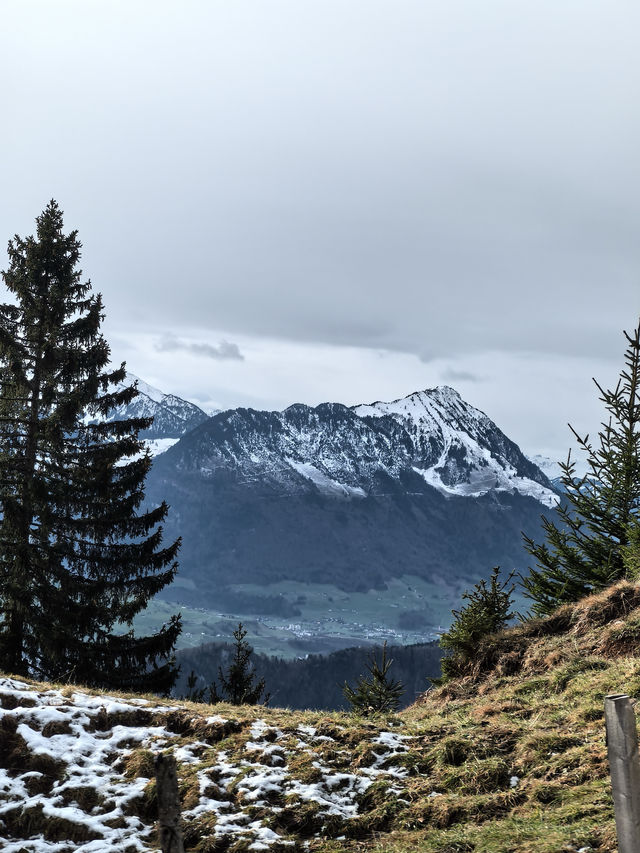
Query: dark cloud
point(450, 374)
point(224, 350)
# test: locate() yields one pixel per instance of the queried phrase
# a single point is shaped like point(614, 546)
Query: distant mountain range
point(552, 469)
point(430, 438)
point(424, 486)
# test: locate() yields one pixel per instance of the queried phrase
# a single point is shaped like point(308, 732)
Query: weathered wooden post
point(624, 763)
point(168, 804)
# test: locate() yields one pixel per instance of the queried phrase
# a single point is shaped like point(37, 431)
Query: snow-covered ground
point(76, 772)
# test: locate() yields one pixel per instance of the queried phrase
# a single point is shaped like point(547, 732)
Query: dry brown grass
point(509, 757)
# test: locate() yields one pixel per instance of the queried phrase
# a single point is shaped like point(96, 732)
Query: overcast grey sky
point(287, 200)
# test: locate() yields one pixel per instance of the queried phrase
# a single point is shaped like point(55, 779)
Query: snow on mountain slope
point(324, 483)
point(432, 437)
point(172, 416)
point(149, 391)
point(157, 446)
point(473, 455)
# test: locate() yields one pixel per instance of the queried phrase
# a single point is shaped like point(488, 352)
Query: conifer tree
point(586, 550)
point(238, 685)
point(78, 553)
point(487, 611)
point(631, 553)
point(377, 692)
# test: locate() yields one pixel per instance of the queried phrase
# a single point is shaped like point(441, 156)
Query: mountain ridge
point(432, 436)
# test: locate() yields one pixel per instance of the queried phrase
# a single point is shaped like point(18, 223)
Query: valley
point(323, 617)
point(332, 527)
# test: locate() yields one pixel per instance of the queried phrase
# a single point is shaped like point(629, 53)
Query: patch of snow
point(325, 483)
point(393, 740)
point(216, 719)
point(342, 802)
point(493, 479)
point(190, 754)
point(259, 728)
point(156, 446)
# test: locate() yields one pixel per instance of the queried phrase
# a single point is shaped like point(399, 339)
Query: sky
point(346, 200)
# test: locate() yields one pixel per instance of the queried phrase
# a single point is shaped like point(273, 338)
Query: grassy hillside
point(510, 757)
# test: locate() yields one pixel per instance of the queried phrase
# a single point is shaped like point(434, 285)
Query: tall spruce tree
point(589, 547)
point(78, 552)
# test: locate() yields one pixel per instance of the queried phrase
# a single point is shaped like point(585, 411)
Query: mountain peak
point(457, 448)
point(435, 406)
point(144, 388)
point(441, 393)
point(172, 416)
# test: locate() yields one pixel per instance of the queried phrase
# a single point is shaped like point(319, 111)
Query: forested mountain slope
point(316, 681)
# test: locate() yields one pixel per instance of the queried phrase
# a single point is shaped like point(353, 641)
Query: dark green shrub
point(376, 693)
point(487, 611)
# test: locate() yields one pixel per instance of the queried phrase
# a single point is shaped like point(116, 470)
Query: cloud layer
point(427, 177)
point(435, 180)
point(223, 350)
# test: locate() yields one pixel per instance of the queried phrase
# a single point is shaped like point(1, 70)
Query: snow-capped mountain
point(552, 469)
point(423, 486)
point(172, 416)
point(432, 437)
point(458, 449)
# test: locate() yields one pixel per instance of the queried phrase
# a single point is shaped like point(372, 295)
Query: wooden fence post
point(168, 804)
point(624, 763)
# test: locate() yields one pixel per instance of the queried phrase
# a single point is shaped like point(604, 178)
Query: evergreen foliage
point(314, 681)
point(585, 551)
point(488, 610)
point(238, 685)
point(631, 553)
point(199, 694)
point(376, 693)
point(78, 554)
